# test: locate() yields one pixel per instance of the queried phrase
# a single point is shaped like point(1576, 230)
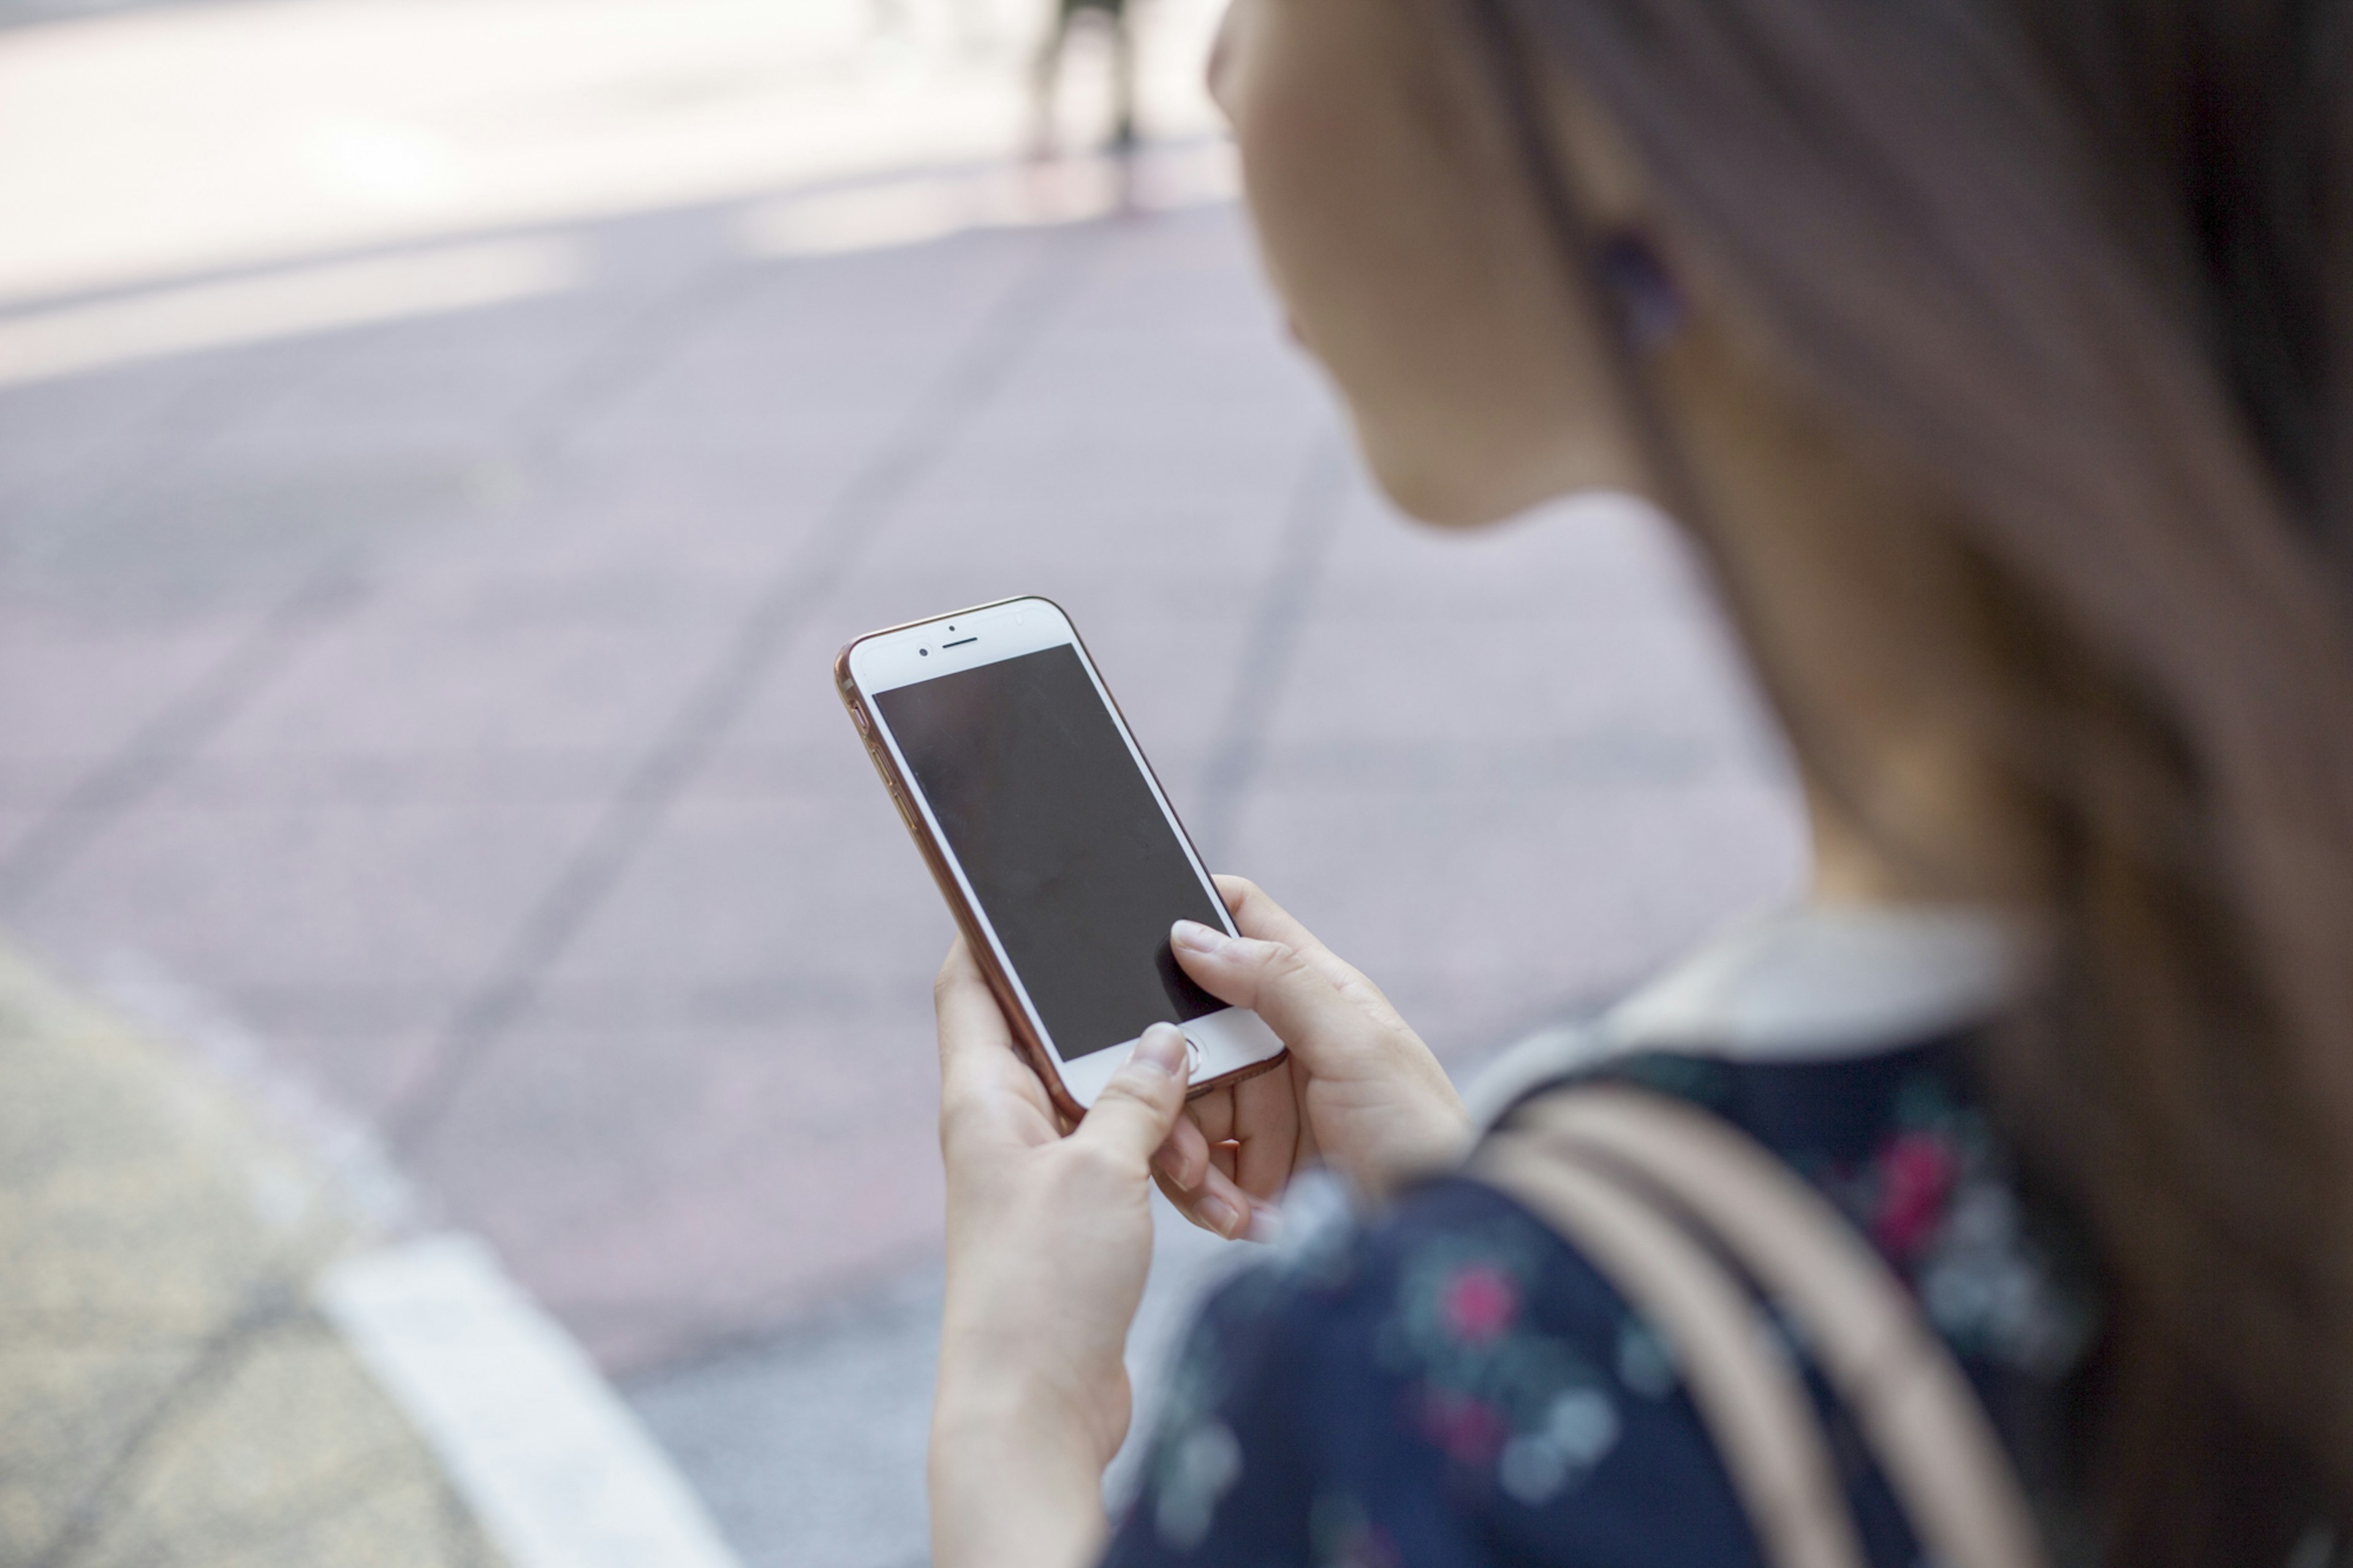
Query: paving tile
point(1169, 648)
point(76, 688)
point(421, 896)
point(66, 1414)
point(523, 776)
point(643, 529)
point(793, 1492)
point(17, 826)
point(440, 383)
point(362, 1054)
point(887, 299)
point(827, 892)
point(164, 1395)
point(1482, 912)
point(771, 1166)
point(818, 351)
point(489, 677)
point(60, 440)
point(296, 1429)
point(1464, 681)
point(215, 536)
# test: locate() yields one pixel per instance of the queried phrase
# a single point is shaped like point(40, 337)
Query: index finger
point(1259, 917)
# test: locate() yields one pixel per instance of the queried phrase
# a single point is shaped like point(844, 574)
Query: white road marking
point(556, 1468)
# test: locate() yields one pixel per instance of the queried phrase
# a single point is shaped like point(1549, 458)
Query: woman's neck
point(1943, 836)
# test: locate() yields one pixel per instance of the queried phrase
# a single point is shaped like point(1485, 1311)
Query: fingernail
point(1163, 1048)
point(1169, 1163)
point(1193, 934)
point(1223, 1217)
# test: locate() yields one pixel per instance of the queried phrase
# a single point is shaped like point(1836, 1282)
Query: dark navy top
point(1447, 1384)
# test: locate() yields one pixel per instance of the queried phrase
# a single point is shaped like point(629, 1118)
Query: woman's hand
point(1048, 1241)
point(1361, 1091)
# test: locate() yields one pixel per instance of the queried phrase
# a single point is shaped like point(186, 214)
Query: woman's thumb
point(1132, 1115)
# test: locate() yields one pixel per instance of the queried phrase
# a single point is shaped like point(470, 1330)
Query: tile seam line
point(350, 1484)
point(185, 420)
point(188, 418)
point(654, 335)
point(850, 526)
point(163, 746)
point(268, 1306)
point(1311, 519)
point(866, 1296)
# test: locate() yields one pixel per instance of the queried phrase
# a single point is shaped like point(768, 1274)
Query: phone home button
point(1192, 1058)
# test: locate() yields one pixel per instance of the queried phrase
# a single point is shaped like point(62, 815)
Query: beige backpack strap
point(1930, 1434)
point(1746, 1389)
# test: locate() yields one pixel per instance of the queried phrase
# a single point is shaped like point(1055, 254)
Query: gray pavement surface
point(447, 700)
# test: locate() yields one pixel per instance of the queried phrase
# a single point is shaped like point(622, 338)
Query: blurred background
point(442, 445)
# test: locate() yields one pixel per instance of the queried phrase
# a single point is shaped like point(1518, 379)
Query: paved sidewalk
point(219, 1350)
point(446, 700)
point(166, 1388)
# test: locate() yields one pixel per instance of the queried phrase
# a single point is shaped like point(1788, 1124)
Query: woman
point(1998, 355)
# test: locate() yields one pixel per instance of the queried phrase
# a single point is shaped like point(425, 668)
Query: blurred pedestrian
point(1995, 1204)
point(1046, 72)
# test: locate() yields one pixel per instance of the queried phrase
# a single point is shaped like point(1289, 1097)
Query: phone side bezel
point(915, 813)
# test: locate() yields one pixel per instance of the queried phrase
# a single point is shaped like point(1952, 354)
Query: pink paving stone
point(519, 675)
point(75, 690)
point(362, 1071)
point(1482, 912)
point(734, 889)
point(405, 895)
point(770, 1166)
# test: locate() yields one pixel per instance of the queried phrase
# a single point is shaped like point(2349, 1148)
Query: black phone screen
point(1059, 834)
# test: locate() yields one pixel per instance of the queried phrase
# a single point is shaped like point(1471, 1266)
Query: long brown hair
point(2087, 271)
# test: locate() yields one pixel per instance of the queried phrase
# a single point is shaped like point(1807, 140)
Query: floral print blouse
point(1449, 1383)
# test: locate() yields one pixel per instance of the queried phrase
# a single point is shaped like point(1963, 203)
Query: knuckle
point(959, 986)
point(1088, 1163)
point(1285, 962)
point(1127, 1089)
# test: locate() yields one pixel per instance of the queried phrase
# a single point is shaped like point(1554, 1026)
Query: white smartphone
point(1050, 838)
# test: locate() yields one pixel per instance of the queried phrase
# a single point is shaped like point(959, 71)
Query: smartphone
point(1050, 838)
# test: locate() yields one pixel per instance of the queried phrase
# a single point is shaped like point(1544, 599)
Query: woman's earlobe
point(1641, 288)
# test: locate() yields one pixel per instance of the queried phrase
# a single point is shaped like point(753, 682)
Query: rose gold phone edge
point(1034, 1051)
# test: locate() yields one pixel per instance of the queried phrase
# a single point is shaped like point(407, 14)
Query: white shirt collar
point(1830, 980)
point(1813, 981)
